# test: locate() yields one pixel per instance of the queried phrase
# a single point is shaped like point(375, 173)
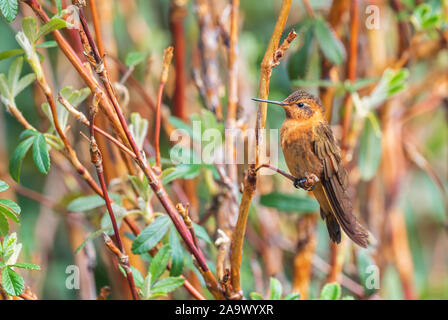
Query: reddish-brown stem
point(282, 172)
point(177, 15)
point(153, 180)
point(96, 159)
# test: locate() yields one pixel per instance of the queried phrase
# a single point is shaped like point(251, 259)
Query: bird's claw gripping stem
point(307, 183)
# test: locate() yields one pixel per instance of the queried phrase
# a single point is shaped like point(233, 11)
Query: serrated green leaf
point(167, 285)
point(177, 253)
point(12, 282)
point(330, 45)
point(134, 58)
point(17, 156)
point(255, 296)
point(201, 233)
point(331, 291)
point(3, 186)
point(8, 213)
point(10, 53)
point(25, 265)
point(41, 156)
point(9, 9)
point(55, 23)
point(370, 149)
point(289, 202)
point(292, 296)
point(151, 235)
point(4, 226)
point(159, 262)
point(276, 289)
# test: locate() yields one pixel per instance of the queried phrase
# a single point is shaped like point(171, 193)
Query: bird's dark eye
point(300, 104)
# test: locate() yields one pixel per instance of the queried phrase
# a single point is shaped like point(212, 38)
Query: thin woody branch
point(251, 176)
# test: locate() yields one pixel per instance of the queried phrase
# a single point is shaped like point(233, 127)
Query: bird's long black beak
point(280, 103)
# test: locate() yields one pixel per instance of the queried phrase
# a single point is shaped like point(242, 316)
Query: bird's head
point(300, 105)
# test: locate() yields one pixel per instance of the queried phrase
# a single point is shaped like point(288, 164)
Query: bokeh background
point(397, 161)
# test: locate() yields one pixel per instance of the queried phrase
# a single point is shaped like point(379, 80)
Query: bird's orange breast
point(297, 140)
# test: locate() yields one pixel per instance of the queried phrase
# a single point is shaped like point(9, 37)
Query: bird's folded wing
point(335, 181)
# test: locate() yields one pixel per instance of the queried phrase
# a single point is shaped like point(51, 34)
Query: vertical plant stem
point(167, 57)
point(250, 180)
point(96, 159)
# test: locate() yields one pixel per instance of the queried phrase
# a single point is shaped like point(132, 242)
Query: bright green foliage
point(12, 282)
point(8, 209)
point(289, 202)
point(332, 291)
point(151, 235)
point(135, 58)
point(9, 9)
point(41, 157)
point(12, 85)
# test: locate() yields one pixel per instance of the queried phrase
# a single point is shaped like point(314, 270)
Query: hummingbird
point(313, 157)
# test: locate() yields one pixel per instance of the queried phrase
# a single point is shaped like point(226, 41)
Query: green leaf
point(3, 186)
point(370, 148)
point(159, 262)
point(47, 44)
point(184, 171)
point(292, 296)
point(276, 289)
point(55, 23)
point(177, 253)
point(151, 235)
point(16, 160)
point(134, 58)
point(9, 9)
point(29, 26)
point(14, 73)
point(180, 124)
point(167, 285)
point(5, 211)
point(201, 233)
point(330, 45)
point(11, 205)
point(4, 87)
point(25, 265)
point(347, 298)
point(40, 154)
point(24, 82)
point(255, 296)
point(12, 282)
point(10, 53)
point(4, 226)
point(331, 291)
point(289, 202)
point(90, 202)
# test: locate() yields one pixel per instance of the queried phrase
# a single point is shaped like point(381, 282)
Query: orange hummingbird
point(314, 158)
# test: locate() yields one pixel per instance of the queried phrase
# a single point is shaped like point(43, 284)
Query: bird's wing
point(334, 181)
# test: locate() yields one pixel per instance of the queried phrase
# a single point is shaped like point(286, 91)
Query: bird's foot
point(307, 183)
